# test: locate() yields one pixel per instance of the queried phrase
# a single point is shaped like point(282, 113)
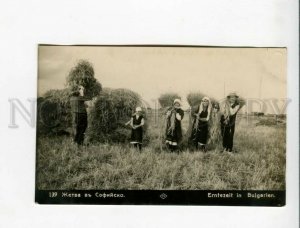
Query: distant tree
point(196, 97)
point(166, 99)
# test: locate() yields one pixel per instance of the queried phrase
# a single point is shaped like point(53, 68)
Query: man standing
point(231, 107)
point(79, 115)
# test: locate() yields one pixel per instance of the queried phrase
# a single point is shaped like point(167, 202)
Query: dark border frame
point(160, 197)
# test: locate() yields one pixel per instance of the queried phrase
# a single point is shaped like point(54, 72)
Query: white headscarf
point(177, 101)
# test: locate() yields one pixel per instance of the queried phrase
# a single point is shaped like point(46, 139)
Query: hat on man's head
point(178, 101)
point(232, 94)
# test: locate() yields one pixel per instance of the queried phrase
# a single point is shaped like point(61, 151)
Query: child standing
point(137, 122)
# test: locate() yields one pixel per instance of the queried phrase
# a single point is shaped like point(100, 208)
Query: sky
point(151, 71)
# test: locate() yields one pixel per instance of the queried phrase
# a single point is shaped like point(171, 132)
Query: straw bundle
point(242, 102)
point(83, 74)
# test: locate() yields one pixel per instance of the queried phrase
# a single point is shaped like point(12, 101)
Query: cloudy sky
point(151, 71)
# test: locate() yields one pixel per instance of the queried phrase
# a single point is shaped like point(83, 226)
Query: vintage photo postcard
point(161, 125)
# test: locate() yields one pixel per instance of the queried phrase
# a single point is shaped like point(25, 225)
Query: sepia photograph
point(149, 114)
point(189, 125)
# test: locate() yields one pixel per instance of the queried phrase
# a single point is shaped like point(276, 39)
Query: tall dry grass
point(258, 165)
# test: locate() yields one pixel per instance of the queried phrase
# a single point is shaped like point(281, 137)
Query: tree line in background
point(108, 108)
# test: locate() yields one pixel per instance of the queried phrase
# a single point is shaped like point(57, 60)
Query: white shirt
point(178, 116)
point(234, 110)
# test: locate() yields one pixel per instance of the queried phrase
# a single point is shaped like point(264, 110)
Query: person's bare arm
point(130, 122)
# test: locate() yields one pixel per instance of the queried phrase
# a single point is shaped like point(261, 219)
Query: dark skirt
point(137, 136)
point(174, 137)
point(228, 132)
point(200, 134)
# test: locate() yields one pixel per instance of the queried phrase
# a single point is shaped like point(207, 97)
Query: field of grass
point(259, 163)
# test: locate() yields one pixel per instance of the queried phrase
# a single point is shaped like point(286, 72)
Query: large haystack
point(54, 113)
point(108, 114)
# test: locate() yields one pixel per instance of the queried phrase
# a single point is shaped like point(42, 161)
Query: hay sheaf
point(83, 74)
point(242, 102)
point(108, 114)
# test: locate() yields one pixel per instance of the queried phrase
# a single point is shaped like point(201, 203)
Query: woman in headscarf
point(201, 117)
point(215, 135)
point(137, 122)
point(173, 129)
point(229, 112)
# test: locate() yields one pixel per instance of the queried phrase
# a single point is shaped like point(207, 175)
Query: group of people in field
point(210, 123)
